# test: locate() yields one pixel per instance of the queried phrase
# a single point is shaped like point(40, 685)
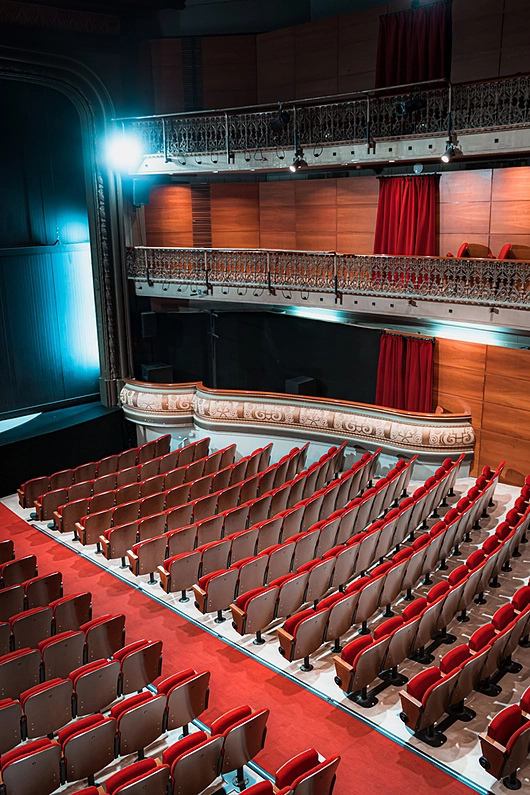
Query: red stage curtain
point(390, 387)
point(406, 216)
point(412, 46)
point(418, 375)
point(405, 373)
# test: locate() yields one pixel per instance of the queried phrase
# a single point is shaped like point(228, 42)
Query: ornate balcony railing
point(368, 116)
point(486, 282)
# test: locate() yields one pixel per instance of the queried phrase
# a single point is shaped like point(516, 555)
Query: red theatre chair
point(306, 773)
point(505, 745)
point(146, 776)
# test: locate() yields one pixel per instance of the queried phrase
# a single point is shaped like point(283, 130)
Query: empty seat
point(67, 516)
point(107, 465)
point(244, 734)
point(180, 572)
point(140, 664)
point(18, 570)
point(104, 636)
point(11, 601)
point(88, 746)
point(505, 745)
point(69, 612)
point(32, 769)
point(7, 550)
point(62, 654)
point(47, 707)
point(144, 776)
point(85, 472)
point(95, 686)
point(139, 721)
point(187, 694)
point(10, 724)
point(301, 634)
point(146, 556)
point(215, 592)
point(151, 526)
point(194, 762)
point(30, 627)
point(19, 670)
point(305, 773)
point(425, 700)
point(31, 490)
point(116, 541)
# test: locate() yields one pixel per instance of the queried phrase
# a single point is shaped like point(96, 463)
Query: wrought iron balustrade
point(492, 105)
point(488, 282)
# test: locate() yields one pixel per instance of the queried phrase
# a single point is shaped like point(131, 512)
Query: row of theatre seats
point(249, 499)
point(36, 487)
point(348, 555)
point(213, 540)
point(67, 715)
point(506, 742)
point(298, 567)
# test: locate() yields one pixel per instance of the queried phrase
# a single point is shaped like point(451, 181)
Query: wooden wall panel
point(496, 447)
point(168, 217)
point(167, 78)
point(316, 58)
point(275, 65)
point(235, 215)
point(358, 33)
point(515, 53)
point(316, 215)
point(477, 37)
point(229, 71)
point(509, 363)
point(277, 215)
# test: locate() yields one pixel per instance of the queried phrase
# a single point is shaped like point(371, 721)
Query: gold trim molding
point(178, 405)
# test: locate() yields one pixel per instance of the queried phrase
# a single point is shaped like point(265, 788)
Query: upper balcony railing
point(382, 114)
point(483, 282)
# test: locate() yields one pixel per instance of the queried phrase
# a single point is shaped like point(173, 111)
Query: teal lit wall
point(48, 341)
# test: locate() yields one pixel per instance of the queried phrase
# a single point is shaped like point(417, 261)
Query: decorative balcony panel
point(501, 104)
point(482, 282)
point(176, 405)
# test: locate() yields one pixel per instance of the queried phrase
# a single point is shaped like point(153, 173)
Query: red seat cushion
point(503, 616)
point(176, 679)
point(183, 746)
point(505, 723)
point(437, 528)
point(403, 554)
point(503, 530)
point(54, 638)
point(24, 750)
point(309, 565)
point(140, 698)
point(330, 600)
point(203, 581)
point(89, 624)
point(455, 658)
point(476, 559)
point(521, 598)
point(229, 719)
point(331, 553)
point(356, 538)
point(491, 544)
point(79, 726)
point(440, 589)
point(421, 542)
point(32, 691)
point(291, 624)
point(358, 585)
point(262, 788)
point(385, 629)
point(243, 600)
point(129, 773)
point(419, 684)
point(356, 647)
point(457, 575)
point(123, 652)
point(414, 609)
point(451, 515)
point(481, 637)
point(85, 669)
point(279, 581)
point(382, 569)
point(296, 767)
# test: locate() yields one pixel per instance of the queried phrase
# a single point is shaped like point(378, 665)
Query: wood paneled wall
point(486, 208)
point(492, 384)
point(335, 55)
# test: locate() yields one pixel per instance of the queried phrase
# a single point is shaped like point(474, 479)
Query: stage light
point(280, 121)
point(450, 151)
point(298, 161)
point(124, 152)
point(410, 106)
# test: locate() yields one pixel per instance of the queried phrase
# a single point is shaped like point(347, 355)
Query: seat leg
point(456, 550)
point(98, 548)
point(91, 781)
point(185, 730)
point(467, 537)
point(141, 755)
point(392, 677)
point(364, 629)
point(258, 640)
point(306, 665)
point(363, 698)
point(495, 582)
point(183, 597)
point(510, 665)
point(488, 688)
point(240, 781)
point(124, 564)
point(480, 599)
point(461, 712)
point(152, 580)
point(422, 656)
point(507, 566)
point(219, 619)
point(435, 514)
point(427, 580)
point(463, 617)
point(516, 553)
point(491, 504)
point(511, 781)
point(525, 642)
point(52, 525)
point(388, 612)
point(443, 565)
point(432, 737)
point(408, 596)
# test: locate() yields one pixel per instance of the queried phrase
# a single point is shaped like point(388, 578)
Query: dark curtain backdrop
point(412, 46)
point(48, 339)
point(406, 216)
point(405, 373)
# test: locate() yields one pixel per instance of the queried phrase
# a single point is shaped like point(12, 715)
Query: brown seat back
point(291, 595)
point(148, 451)
point(151, 526)
point(244, 741)
point(97, 688)
point(63, 654)
point(152, 485)
point(260, 610)
point(105, 638)
point(319, 781)
point(210, 530)
point(49, 709)
point(221, 479)
point(179, 516)
point(11, 601)
point(155, 783)
point(80, 491)
point(121, 538)
point(195, 771)
point(104, 483)
point(181, 540)
point(194, 471)
point(5, 638)
point(236, 519)
point(10, 718)
point(141, 725)
point(244, 545)
point(19, 570)
point(280, 561)
point(310, 634)
point(7, 550)
point(19, 673)
point(188, 700)
point(31, 626)
point(162, 444)
point(200, 487)
point(90, 750)
point(252, 574)
point(72, 512)
point(35, 774)
point(127, 459)
point(215, 558)
point(319, 580)
point(128, 493)
point(168, 461)
point(184, 572)
point(84, 472)
point(341, 616)
point(72, 611)
point(304, 550)
point(141, 667)
point(151, 554)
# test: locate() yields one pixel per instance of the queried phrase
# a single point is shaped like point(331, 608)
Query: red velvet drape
point(405, 373)
point(412, 46)
point(406, 216)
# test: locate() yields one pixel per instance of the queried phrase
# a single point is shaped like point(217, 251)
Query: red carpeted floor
point(298, 720)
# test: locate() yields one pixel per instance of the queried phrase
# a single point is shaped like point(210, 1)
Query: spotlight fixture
point(280, 121)
point(450, 151)
point(409, 106)
point(298, 161)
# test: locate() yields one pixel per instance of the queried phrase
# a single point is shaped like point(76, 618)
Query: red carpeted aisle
point(370, 762)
